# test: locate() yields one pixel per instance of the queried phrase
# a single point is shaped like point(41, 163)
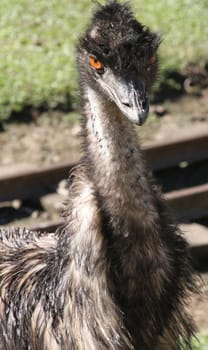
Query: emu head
point(117, 56)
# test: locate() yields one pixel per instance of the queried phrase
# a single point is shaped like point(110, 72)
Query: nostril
point(126, 104)
point(145, 104)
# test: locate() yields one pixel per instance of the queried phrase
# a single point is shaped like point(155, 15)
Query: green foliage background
point(38, 37)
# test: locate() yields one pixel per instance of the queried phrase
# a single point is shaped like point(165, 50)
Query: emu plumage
point(118, 274)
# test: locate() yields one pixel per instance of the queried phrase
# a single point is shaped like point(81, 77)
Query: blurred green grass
point(38, 38)
point(201, 343)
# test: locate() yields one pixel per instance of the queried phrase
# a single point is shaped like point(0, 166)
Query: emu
point(118, 274)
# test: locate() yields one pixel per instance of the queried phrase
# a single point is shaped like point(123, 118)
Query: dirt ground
point(53, 138)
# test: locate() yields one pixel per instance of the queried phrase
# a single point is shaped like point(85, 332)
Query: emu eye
point(152, 59)
point(96, 64)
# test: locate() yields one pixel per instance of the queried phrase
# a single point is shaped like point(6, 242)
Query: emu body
point(118, 274)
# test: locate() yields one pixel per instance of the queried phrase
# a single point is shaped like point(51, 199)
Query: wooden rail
point(32, 182)
point(189, 203)
point(24, 184)
point(186, 203)
point(169, 153)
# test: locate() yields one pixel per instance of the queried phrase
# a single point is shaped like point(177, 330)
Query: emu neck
point(118, 170)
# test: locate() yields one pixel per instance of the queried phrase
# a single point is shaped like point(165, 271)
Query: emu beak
point(130, 96)
point(134, 101)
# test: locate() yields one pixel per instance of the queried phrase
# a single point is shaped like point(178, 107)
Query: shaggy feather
point(118, 274)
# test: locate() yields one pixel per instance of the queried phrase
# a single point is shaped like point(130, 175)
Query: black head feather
point(118, 39)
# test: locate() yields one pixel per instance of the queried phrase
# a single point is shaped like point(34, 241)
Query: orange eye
point(153, 59)
point(96, 63)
